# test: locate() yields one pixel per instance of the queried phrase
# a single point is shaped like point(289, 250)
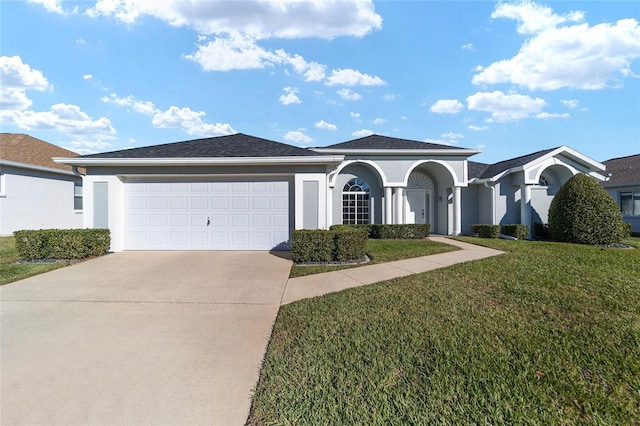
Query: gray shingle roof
point(386, 142)
point(236, 145)
point(497, 168)
point(476, 169)
point(623, 170)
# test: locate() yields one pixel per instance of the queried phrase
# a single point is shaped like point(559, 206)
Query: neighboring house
point(36, 192)
point(240, 192)
point(623, 184)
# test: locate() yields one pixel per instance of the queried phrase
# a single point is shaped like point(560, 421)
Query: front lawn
point(380, 251)
point(548, 333)
point(10, 271)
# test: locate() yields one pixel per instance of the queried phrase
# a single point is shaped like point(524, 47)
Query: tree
point(583, 212)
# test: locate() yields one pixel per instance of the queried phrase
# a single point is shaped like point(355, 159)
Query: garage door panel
point(213, 215)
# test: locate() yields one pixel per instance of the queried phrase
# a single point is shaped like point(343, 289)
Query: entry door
point(418, 207)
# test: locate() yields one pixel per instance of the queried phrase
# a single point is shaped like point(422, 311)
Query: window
point(630, 203)
point(77, 196)
point(544, 181)
point(355, 202)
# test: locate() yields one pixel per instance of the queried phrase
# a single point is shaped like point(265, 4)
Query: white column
point(457, 211)
point(398, 199)
point(388, 212)
point(525, 206)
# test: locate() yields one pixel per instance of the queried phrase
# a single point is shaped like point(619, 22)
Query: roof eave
point(36, 168)
point(200, 161)
point(457, 152)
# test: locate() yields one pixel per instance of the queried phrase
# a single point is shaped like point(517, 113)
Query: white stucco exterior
point(33, 197)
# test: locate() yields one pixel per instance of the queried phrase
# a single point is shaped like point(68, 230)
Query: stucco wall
point(37, 200)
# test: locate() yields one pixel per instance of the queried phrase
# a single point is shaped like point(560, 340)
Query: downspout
point(77, 172)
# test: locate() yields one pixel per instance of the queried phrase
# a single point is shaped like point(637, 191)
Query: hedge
point(389, 232)
point(515, 230)
point(312, 245)
point(541, 231)
point(486, 231)
point(62, 243)
point(337, 245)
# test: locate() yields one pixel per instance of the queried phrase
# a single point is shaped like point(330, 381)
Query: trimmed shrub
point(486, 231)
point(350, 244)
point(62, 243)
point(312, 245)
point(540, 231)
point(583, 212)
point(390, 232)
point(628, 229)
point(515, 230)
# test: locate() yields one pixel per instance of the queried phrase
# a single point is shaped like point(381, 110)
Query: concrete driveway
point(163, 338)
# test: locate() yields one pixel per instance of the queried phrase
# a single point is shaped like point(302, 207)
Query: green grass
point(9, 271)
point(547, 333)
point(380, 251)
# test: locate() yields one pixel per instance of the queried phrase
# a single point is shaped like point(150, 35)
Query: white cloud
point(379, 120)
point(298, 137)
point(478, 128)
point(564, 56)
point(447, 106)
point(259, 19)
point(87, 77)
point(326, 126)
point(545, 115)
point(234, 52)
point(51, 5)
point(452, 135)
point(570, 103)
point(390, 97)
point(290, 96)
point(348, 95)
point(468, 46)
point(350, 77)
point(65, 118)
point(354, 114)
point(534, 18)
point(505, 107)
point(190, 121)
point(18, 77)
point(402, 117)
point(142, 107)
point(311, 71)
point(362, 133)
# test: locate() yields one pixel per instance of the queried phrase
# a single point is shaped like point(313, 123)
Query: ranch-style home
point(623, 184)
point(240, 192)
point(36, 192)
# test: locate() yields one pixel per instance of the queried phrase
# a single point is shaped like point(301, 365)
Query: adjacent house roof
point(236, 145)
point(25, 149)
point(624, 170)
point(386, 142)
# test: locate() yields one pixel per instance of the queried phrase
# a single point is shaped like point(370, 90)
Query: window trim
point(356, 191)
point(76, 197)
point(635, 198)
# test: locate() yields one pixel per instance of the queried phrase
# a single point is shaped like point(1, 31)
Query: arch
point(373, 165)
point(441, 163)
point(558, 174)
point(419, 180)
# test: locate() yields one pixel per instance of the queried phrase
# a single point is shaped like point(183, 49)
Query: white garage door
point(212, 215)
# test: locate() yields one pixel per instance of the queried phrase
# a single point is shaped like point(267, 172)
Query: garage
point(208, 214)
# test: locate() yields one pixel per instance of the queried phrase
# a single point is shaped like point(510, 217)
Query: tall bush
point(583, 212)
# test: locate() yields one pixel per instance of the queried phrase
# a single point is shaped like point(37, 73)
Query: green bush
point(583, 212)
point(390, 232)
point(540, 231)
point(350, 244)
point(341, 244)
point(628, 229)
point(515, 230)
point(312, 245)
point(62, 243)
point(486, 231)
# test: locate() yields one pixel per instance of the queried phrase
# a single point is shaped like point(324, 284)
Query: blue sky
point(509, 78)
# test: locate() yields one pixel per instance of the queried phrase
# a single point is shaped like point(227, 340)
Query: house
point(240, 192)
point(36, 192)
point(623, 184)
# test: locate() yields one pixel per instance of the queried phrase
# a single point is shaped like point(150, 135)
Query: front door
point(418, 206)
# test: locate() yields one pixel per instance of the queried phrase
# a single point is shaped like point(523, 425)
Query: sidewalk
point(329, 282)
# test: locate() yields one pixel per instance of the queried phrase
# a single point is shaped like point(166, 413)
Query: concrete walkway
point(319, 284)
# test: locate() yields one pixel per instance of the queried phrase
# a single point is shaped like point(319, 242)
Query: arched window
point(544, 181)
point(355, 202)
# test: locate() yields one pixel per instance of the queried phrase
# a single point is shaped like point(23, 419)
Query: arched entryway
point(419, 199)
